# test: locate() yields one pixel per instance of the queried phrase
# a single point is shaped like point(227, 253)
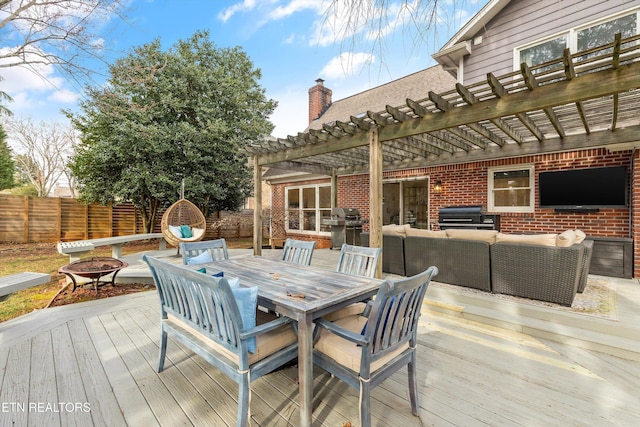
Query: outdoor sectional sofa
point(546, 267)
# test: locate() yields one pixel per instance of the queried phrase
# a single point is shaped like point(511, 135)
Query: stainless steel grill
point(346, 226)
point(469, 217)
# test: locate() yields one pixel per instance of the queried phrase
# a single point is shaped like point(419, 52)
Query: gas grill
point(346, 226)
point(468, 217)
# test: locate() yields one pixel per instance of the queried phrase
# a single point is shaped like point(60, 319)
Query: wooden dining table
point(302, 293)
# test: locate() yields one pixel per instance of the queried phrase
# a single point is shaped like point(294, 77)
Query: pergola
point(584, 100)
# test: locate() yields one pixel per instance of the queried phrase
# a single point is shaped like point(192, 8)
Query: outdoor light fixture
point(437, 188)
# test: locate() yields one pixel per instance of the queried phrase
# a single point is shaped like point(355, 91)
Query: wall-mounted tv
point(583, 189)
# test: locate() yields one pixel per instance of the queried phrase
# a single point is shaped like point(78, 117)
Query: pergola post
point(334, 189)
point(257, 209)
point(375, 194)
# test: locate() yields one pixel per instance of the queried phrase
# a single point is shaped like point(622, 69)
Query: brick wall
point(466, 184)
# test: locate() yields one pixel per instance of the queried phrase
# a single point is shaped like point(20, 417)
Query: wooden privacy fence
point(26, 219)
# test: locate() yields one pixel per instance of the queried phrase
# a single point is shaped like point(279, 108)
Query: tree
point(165, 116)
point(7, 167)
point(42, 151)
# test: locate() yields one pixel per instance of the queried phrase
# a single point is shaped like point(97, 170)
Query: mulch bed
point(88, 293)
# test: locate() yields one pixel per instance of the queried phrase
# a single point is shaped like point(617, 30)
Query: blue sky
point(288, 40)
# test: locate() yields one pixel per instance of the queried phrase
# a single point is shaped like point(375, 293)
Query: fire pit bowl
point(94, 269)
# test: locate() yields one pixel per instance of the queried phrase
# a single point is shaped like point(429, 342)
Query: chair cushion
point(350, 310)
point(347, 353)
point(266, 344)
point(176, 231)
point(186, 231)
point(203, 258)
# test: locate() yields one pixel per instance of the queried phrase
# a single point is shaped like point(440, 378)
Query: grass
point(44, 258)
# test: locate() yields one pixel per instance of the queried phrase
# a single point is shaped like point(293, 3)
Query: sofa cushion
point(395, 230)
point(566, 239)
point(419, 232)
point(580, 236)
point(529, 239)
point(488, 236)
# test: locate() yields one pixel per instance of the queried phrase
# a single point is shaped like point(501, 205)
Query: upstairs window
point(577, 39)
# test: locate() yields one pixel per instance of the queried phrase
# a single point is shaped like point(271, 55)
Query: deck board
point(469, 375)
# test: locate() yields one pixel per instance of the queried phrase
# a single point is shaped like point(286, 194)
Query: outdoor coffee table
point(303, 293)
point(94, 269)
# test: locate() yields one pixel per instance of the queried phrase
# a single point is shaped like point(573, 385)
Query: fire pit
point(94, 269)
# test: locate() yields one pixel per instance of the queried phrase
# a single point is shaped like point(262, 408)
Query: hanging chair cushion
point(186, 231)
point(176, 231)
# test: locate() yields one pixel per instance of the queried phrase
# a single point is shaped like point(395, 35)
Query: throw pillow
point(186, 231)
point(247, 300)
point(203, 258)
point(580, 236)
point(566, 239)
point(176, 231)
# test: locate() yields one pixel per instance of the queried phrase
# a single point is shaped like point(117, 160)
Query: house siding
point(523, 22)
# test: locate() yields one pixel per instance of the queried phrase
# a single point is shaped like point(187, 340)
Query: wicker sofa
point(547, 267)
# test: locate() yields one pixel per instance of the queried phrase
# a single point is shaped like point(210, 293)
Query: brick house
point(479, 129)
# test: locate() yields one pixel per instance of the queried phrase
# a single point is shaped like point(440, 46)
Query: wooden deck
point(95, 364)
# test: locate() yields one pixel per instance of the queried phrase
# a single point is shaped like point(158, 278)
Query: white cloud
point(63, 96)
point(295, 6)
point(244, 6)
point(346, 64)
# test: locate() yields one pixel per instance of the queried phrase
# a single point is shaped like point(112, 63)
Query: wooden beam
point(468, 97)
point(615, 63)
point(581, 88)
point(397, 114)
point(570, 73)
point(375, 194)
point(532, 83)
point(346, 127)
point(499, 91)
point(257, 209)
point(379, 119)
point(362, 123)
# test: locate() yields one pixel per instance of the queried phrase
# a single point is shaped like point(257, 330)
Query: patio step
point(581, 330)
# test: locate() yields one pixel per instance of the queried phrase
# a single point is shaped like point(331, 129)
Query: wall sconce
point(437, 188)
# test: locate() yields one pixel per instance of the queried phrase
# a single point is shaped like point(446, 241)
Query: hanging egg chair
point(183, 222)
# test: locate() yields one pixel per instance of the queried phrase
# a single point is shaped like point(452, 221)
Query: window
point(511, 189)
point(578, 39)
point(307, 206)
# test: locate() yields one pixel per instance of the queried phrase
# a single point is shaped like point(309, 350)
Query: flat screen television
point(583, 189)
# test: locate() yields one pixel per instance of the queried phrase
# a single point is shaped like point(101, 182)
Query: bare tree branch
point(59, 33)
point(42, 151)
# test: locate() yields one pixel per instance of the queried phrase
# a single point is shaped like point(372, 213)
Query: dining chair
point(364, 351)
point(298, 251)
point(358, 260)
point(222, 325)
point(204, 251)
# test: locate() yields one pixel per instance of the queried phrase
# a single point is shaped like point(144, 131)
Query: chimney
point(319, 100)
